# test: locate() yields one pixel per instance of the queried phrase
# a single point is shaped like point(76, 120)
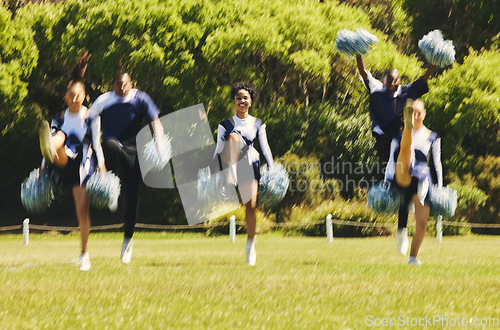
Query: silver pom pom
point(437, 51)
point(383, 199)
point(443, 201)
point(103, 190)
point(352, 43)
point(37, 191)
point(273, 185)
point(210, 187)
point(157, 153)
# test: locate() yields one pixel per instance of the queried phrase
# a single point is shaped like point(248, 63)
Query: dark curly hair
point(246, 86)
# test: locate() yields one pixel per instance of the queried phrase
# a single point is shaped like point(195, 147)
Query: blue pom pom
point(273, 185)
point(437, 51)
point(352, 43)
point(37, 191)
point(383, 199)
point(157, 153)
point(103, 190)
point(443, 201)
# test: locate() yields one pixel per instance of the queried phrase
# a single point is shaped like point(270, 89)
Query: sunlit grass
point(190, 280)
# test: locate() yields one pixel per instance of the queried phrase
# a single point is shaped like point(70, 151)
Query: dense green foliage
point(185, 52)
point(18, 57)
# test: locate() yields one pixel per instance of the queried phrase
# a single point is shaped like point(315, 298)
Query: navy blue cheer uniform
point(249, 129)
point(386, 110)
point(81, 159)
point(120, 119)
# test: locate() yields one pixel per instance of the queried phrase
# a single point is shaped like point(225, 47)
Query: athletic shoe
point(46, 146)
point(408, 114)
point(127, 250)
point(84, 261)
point(251, 255)
point(414, 261)
point(402, 239)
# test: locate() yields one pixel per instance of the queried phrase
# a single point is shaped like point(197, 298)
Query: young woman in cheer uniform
point(66, 150)
point(410, 173)
point(236, 139)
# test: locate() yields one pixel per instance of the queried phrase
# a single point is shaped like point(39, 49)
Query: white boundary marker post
point(329, 228)
point(439, 229)
point(26, 231)
point(232, 228)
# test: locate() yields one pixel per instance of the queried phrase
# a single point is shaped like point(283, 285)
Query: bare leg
point(402, 174)
point(250, 214)
point(231, 151)
point(61, 158)
point(422, 215)
point(82, 213)
point(231, 154)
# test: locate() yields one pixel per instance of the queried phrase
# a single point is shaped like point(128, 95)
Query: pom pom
point(37, 191)
point(352, 43)
point(103, 190)
point(210, 187)
point(437, 51)
point(157, 153)
point(443, 201)
point(273, 185)
point(383, 199)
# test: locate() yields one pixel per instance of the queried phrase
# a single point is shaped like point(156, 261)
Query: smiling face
point(242, 102)
point(122, 85)
point(74, 97)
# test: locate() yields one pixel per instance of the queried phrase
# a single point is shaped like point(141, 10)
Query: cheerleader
point(409, 171)
point(67, 153)
point(121, 114)
point(236, 138)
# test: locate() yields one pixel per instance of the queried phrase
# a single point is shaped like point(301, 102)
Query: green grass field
point(194, 281)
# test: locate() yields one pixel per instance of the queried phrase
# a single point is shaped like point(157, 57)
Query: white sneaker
point(84, 262)
point(251, 255)
point(402, 239)
point(127, 250)
point(46, 146)
point(414, 261)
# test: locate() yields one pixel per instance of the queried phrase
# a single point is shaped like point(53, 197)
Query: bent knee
point(233, 137)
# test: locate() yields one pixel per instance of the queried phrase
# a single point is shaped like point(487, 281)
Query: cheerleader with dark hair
point(387, 100)
point(236, 137)
point(119, 115)
point(66, 149)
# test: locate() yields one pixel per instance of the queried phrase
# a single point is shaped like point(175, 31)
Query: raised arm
point(429, 72)
point(362, 67)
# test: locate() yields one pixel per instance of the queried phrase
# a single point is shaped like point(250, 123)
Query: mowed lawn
point(194, 281)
